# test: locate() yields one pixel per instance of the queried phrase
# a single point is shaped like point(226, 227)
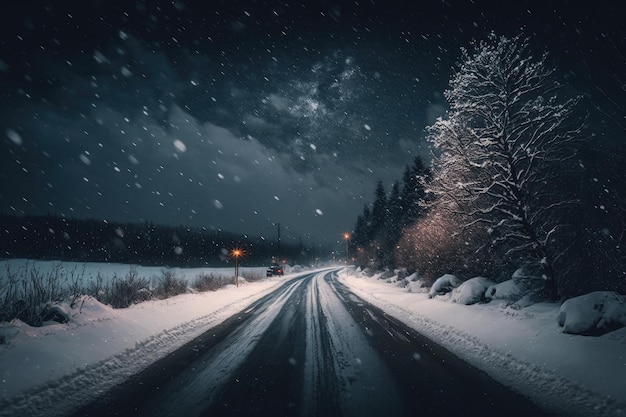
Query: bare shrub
point(170, 284)
point(33, 295)
point(127, 291)
point(211, 282)
point(29, 294)
point(9, 295)
point(74, 283)
point(97, 288)
point(251, 276)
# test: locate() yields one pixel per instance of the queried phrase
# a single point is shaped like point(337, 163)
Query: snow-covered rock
point(388, 276)
point(471, 291)
point(593, 314)
point(523, 273)
point(518, 292)
point(414, 277)
point(508, 290)
point(413, 283)
point(444, 284)
point(416, 287)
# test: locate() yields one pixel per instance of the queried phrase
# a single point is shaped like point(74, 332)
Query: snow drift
point(593, 314)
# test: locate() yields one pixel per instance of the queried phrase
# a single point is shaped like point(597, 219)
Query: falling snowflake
point(319, 212)
point(180, 146)
point(85, 159)
point(100, 57)
point(367, 127)
point(218, 204)
point(14, 136)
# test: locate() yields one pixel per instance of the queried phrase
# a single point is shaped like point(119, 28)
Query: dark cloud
point(234, 115)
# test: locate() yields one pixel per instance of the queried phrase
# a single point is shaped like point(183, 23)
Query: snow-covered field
point(89, 271)
point(523, 348)
point(101, 346)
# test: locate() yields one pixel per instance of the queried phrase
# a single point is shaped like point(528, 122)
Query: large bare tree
point(504, 150)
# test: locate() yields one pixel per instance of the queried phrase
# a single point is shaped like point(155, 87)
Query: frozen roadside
point(55, 368)
point(523, 349)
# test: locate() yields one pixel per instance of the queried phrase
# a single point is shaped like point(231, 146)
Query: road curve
point(311, 348)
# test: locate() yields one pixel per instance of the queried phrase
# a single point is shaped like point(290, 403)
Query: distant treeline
point(90, 240)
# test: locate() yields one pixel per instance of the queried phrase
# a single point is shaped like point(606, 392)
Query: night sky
point(239, 115)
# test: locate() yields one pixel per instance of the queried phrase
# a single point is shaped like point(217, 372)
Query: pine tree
point(413, 192)
point(360, 237)
point(379, 212)
point(393, 229)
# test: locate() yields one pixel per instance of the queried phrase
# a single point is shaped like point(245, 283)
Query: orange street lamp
point(346, 236)
point(236, 253)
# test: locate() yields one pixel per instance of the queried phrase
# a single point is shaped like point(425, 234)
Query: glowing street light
point(346, 236)
point(236, 253)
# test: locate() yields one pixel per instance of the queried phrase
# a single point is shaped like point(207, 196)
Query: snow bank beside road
point(42, 368)
point(593, 314)
point(524, 349)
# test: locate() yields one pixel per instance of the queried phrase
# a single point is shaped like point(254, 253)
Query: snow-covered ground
point(523, 348)
point(101, 346)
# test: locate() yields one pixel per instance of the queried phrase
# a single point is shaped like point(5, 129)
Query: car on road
point(275, 269)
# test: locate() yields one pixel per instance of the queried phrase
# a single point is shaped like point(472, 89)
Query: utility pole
point(278, 242)
point(346, 236)
point(236, 253)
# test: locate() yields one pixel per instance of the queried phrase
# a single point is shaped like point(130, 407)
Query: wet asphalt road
point(311, 348)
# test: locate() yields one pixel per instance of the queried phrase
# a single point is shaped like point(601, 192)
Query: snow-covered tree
point(503, 153)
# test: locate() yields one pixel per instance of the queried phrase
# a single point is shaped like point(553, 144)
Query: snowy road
point(310, 348)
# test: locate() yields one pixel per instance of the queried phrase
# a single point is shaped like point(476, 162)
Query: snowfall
point(538, 349)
